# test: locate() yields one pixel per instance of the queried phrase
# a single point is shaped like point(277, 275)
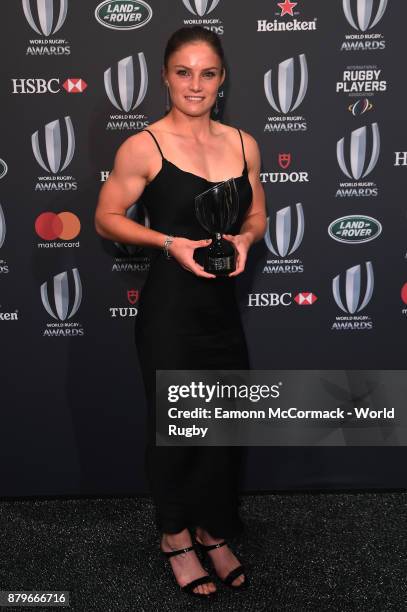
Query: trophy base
point(220, 265)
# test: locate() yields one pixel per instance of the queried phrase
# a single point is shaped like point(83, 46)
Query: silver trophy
point(216, 210)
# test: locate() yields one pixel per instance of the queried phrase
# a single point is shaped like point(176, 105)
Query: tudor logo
point(48, 17)
point(285, 85)
point(354, 302)
point(284, 160)
point(65, 306)
point(282, 230)
point(53, 146)
point(355, 229)
point(123, 14)
point(359, 165)
point(133, 295)
point(125, 83)
point(359, 13)
point(200, 7)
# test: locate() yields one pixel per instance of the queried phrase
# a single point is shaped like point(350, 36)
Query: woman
point(187, 317)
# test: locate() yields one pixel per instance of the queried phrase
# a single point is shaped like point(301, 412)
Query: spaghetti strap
point(241, 140)
point(156, 141)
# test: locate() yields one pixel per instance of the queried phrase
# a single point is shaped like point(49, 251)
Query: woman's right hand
point(182, 249)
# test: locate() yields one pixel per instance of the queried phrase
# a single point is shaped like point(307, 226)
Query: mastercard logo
point(404, 293)
point(64, 225)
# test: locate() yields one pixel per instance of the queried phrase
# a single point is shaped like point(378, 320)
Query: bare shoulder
point(251, 147)
point(135, 154)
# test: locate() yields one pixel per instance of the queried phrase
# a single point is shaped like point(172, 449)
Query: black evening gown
point(187, 322)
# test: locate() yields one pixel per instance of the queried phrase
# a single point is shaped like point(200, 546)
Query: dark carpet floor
point(311, 551)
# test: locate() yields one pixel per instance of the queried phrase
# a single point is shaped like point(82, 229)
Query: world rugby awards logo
point(362, 16)
point(200, 9)
point(284, 242)
point(126, 100)
point(351, 299)
point(65, 304)
point(285, 89)
point(133, 257)
point(46, 18)
point(360, 163)
point(123, 14)
point(2, 227)
point(53, 157)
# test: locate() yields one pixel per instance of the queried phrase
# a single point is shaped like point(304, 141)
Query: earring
point(216, 107)
point(167, 99)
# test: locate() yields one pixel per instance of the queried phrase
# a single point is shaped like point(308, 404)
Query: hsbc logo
point(45, 17)
point(304, 298)
point(362, 15)
point(42, 86)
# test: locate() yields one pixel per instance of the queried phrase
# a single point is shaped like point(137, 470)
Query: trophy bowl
point(216, 210)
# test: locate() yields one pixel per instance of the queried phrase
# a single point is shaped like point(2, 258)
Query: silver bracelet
point(167, 243)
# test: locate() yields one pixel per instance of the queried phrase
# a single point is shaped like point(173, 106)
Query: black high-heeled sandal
point(234, 573)
point(188, 588)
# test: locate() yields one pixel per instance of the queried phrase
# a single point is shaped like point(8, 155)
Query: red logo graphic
point(284, 160)
point(133, 295)
point(287, 7)
point(404, 293)
point(74, 85)
point(64, 225)
point(305, 298)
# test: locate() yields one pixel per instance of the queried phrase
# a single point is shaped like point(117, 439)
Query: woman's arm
point(255, 223)
point(124, 186)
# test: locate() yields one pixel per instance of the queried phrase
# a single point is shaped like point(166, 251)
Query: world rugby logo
point(125, 83)
point(284, 245)
point(49, 15)
point(285, 85)
point(65, 306)
point(359, 13)
point(53, 146)
point(2, 227)
point(200, 7)
point(353, 300)
point(358, 166)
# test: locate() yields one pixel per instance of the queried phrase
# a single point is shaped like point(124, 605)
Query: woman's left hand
point(242, 243)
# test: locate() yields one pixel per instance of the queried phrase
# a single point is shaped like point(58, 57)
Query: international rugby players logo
point(360, 13)
point(65, 305)
point(45, 17)
point(200, 7)
point(127, 100)
point(286, 79)
point(359, 164)
point(51, 159)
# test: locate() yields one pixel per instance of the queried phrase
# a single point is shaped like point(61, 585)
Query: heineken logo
point(123, 14)
point(355, 229)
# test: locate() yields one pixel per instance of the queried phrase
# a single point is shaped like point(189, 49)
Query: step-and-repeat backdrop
point(321, 86)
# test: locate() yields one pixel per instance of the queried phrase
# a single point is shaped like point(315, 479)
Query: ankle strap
point(171, 553)
point(212, 546)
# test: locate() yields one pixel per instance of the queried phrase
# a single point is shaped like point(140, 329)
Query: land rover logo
point(355, 229)
point(123, 14)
